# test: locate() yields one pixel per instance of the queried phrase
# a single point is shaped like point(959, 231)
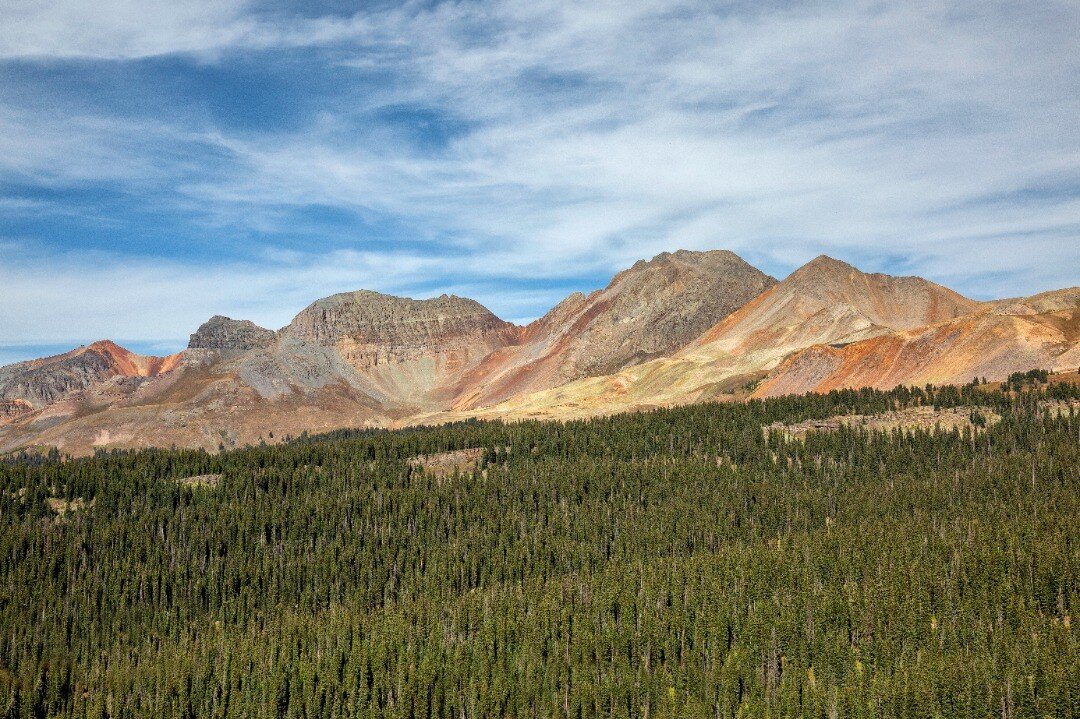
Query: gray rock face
point(44, 383)
point(223, 333)
point(379, 328)
point(10, 409)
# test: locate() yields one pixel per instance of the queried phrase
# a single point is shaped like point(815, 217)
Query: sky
point(162, 161)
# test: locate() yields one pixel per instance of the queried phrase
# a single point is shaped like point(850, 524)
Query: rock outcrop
point(10, 409)
point(223, 333)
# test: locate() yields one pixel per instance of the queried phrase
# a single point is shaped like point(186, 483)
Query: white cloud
point(838, 125)
point(133, 29)
point(94, 295)
point(593, 136)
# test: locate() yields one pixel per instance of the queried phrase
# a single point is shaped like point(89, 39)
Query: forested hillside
point(679, 563)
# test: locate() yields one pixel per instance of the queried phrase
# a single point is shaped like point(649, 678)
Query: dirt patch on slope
point(61, 506)
point(909, 419)
point(208, 481)
point(444, 464)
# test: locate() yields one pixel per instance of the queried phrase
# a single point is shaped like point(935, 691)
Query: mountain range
point(683, 327)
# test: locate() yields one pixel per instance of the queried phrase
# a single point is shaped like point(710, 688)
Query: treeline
point(677, 563)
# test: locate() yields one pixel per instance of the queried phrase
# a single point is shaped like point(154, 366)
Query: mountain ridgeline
point(681, 328)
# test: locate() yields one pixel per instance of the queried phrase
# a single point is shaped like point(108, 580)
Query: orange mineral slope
point(1005, 337)
point(128, 364)
point(41, 382)
point(824, 301)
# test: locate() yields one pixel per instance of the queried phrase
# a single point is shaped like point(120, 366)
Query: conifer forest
point(698, 561)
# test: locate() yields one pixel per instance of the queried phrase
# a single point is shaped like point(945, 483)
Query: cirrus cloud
point(535, 146)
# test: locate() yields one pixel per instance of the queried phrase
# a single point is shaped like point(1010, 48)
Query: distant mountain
point(998, 339)
point(41, 382)
point(224, 333)
point(682, 327)
point(824, 303)
point(647, 311)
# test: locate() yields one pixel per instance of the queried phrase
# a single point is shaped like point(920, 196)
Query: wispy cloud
point(524, 143)
point(90, 295)
point(135, 29)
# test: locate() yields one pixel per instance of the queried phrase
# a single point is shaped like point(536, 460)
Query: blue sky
point(163, 161)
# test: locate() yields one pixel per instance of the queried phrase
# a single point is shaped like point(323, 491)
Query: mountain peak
point(668, 265)
point(829, 275)
point(687, 257)
point(126, 363)
point(106, 345)
point(377, 317)
point(224, 333)
point(826, 265)
point(647, 311)
point(394, 303)
point(828, 301)
point(43, 381)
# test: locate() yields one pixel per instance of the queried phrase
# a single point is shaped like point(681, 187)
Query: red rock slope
point(999, 339)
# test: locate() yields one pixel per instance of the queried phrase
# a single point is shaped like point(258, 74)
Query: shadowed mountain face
point(682, 327)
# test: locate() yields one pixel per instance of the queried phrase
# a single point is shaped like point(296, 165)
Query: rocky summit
point(647, 311)
point(682, 327)
point(384, 321)
point(823, 304)
point(223, 333)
